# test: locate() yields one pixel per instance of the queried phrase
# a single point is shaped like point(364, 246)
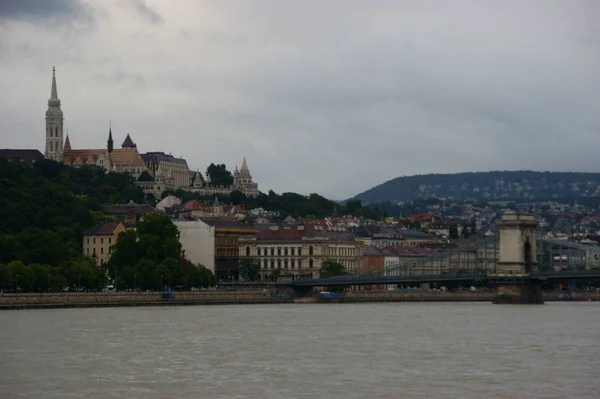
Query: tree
point(453, 231)
point(249, 269)
point(330, 268)
point(237, 197)
point(219, 175)
point(145, 176)
point(465, 231)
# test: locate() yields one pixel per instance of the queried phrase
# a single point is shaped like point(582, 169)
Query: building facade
point(98, 241)
point(214, 244)
point(168, 169)
point(300, 250)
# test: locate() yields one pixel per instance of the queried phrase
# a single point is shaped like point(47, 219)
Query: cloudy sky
point(321, 96)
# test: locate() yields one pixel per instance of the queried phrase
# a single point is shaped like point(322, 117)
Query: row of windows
point(87, 240)
point(293, 251)
point(87, 251)
point(286, 263)
point(53, 131)
point(297, 251)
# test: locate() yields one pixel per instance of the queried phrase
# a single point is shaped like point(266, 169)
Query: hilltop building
point(124, 159)
point(167, 172)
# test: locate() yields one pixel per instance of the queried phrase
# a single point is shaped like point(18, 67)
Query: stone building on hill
point(167, 169)
point(124, 159)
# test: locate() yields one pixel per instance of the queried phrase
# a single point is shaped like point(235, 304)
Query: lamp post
point(48, 282)
point(17, 286)
point(134, 276)
point(78, 280)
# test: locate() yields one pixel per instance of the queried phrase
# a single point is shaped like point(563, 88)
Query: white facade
point(198, 241)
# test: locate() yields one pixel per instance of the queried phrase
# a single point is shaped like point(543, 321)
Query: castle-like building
point(165, 171)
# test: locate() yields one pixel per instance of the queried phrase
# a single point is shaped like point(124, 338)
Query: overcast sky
point(321, 96)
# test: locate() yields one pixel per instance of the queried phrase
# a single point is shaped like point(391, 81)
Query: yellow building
point(98, 240)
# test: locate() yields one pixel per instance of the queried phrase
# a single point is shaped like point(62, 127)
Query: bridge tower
point(517, 261)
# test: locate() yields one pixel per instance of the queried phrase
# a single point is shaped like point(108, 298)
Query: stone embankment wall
point(113, 299)
point(383, 296)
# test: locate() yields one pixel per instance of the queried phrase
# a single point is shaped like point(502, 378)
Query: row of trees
point(289, 204)
point(45, 208)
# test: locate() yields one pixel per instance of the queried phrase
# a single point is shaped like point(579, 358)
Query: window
point(247, 251)
point(310, 263)
point(272, 264)
point(258, 250)
point(285, 251)
point(94, 240)
point(87, 251)
point(285, 263)
point(101, 250)
point(279, 251)
point(87, 240)
point(310, 251)
point(292, 251)
point(279, 263)
point(300, 251)
point(272, 251)
point(101, 240)
point(110, 240)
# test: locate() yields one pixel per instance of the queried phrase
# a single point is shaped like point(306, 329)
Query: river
point(399, 350)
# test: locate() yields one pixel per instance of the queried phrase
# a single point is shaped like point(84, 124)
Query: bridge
point(517, 260)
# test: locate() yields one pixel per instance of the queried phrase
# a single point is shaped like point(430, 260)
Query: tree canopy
point(219, 175)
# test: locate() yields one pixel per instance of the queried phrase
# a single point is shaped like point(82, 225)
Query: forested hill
point(513, 185)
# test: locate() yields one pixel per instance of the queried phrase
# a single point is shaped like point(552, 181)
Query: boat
point(330, 295)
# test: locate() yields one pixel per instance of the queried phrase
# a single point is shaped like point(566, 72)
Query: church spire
point(54, 92)
point(110, 139)
point(67, 146)
point(244, 166)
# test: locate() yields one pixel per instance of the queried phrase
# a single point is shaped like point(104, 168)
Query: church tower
point(54, 125)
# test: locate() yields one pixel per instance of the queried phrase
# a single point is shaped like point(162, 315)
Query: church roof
point(67, 146)
point(126, 156)
point(81, 157)
point(128, 143)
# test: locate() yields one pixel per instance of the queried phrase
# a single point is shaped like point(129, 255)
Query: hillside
point(490, 186)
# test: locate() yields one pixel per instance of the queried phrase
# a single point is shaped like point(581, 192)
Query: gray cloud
point(331, 97)
point(49, 11)
point(146, 12)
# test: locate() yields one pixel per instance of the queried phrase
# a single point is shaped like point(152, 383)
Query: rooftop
point(103, 228)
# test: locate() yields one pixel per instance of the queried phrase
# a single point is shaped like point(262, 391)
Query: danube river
point(400, 350)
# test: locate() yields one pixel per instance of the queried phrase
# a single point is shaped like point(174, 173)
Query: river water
point(402, 350)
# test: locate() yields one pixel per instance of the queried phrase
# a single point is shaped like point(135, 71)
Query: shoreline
point(93, 300)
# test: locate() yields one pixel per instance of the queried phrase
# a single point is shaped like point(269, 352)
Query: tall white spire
point(54, 124)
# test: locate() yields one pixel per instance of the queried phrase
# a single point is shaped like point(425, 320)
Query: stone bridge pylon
point(517, 261)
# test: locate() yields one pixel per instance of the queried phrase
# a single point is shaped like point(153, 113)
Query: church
point(167, 172)
point(124, 159)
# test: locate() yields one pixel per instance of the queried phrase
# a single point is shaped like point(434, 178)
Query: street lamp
point(17, 286)
point(134, 276)
point(78, 279)
point(48, 282)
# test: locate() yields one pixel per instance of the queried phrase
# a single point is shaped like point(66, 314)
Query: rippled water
point(398, 350)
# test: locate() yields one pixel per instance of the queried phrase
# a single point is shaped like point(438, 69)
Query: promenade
point(125, 299)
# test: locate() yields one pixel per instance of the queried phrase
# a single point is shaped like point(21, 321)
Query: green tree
point(249, 269)
point(453, 231)
point(465, 231)
point(145, 176)
point(330, 268)
point(219, 175)
point(237, 197)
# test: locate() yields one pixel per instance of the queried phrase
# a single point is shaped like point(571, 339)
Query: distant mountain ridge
point(489, 186)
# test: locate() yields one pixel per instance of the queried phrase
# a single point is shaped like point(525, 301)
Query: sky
point(321, 96)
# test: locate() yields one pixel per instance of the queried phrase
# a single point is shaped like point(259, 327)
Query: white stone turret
point(54, 124)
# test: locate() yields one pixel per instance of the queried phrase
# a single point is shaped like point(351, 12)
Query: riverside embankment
point(125, 299)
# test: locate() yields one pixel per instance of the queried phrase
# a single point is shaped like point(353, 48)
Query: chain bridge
point(515, 258)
